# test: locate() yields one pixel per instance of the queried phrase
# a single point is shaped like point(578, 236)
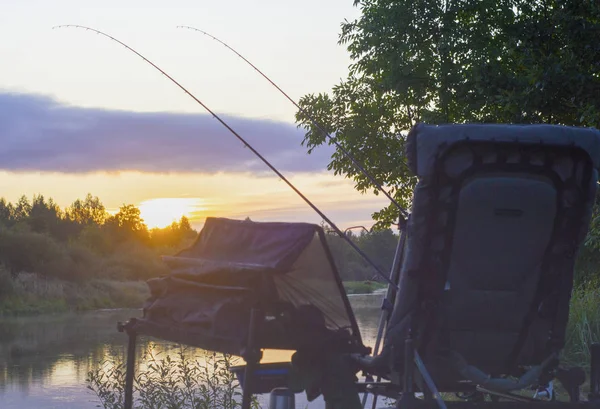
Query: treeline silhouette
point(82, 257)
point(379, 245)
point(83, 241)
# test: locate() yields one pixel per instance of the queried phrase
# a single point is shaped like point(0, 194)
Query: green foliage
point(132, 261)
point(35, 252)
point(89, 211)
point(173, 235)
point(379, 245)
point(436, 61)
point(362, 287)
point(81, 244)
point(176, 381)
point(6, 283)
point(30, 293)
point(127, 224)
point(584, 323)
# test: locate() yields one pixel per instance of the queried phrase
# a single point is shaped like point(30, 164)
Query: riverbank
point(362, 287)
point(32, 294)
point(46, 358)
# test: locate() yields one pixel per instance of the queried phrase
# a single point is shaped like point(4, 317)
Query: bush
point(584, 323)
point(187, 380)
point(94, 238)
point(133, 261)
point(6, 282)
point(31, 294)
point(23, 251)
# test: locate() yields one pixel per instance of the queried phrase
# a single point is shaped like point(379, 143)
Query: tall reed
point(187, 379)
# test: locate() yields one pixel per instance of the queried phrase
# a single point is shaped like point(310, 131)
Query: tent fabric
point(283, 269)
point(267, 245)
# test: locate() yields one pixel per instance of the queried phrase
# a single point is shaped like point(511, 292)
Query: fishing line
point(265, 161)
point(403, 212)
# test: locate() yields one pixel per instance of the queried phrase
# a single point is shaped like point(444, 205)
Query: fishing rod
point(402, 211)
point(385, 313)
point(241, 139)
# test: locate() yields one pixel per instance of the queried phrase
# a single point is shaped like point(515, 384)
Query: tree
point(44, 216)
point(128, 224)
point(174, 236)
point(185, 227)
point(87, 211)
point(437, 61)
point(6, 212)
point(380, 246)
point(22, 209)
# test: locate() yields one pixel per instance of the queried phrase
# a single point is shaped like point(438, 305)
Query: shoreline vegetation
point(80, 257)
point(32, 294)
point(83, 258)
point(362, 287)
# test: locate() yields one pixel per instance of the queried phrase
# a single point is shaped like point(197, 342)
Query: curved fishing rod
point(262, 158)
point(403, 212)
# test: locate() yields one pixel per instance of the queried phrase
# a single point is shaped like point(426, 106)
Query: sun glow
point(162, 212)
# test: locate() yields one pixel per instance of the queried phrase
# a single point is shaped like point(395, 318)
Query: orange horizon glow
point(162, 212)
point(233, 195)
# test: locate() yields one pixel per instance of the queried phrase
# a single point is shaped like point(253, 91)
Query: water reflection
point(44, 360)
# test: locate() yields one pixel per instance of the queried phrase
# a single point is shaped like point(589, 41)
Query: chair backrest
point(499, 213)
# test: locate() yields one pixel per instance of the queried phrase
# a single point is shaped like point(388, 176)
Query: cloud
point(38, 133)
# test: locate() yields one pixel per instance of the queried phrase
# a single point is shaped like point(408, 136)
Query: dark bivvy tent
point(484, 272)
point(244, 286)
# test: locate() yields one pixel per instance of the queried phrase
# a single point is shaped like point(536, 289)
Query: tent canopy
point(283, 269)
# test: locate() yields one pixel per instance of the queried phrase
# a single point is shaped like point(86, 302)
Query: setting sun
point(162, 212)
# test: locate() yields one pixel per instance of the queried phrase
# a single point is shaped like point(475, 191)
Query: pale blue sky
point(295, 43)
point(74, 83)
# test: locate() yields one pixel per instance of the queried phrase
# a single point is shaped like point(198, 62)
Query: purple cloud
point(39, 134)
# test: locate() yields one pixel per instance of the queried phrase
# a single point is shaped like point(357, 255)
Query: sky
point(80, 113)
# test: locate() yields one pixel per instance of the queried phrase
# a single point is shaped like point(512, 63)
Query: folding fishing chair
point(486, 274)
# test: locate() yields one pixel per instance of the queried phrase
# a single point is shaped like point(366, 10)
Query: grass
point(362, 287)
point(184, 380)
point(584, 324)
point(29, 293)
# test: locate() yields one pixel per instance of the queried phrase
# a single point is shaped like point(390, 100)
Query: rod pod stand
point(594, 395)
point(252, 355)
point(387, 304)
point(407, 399)
point(129, 375)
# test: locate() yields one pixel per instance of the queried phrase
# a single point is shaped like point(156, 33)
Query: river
point(44, 360)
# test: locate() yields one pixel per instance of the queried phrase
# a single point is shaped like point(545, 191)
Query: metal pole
point(594, 395)
point(383, 318)
point(388, 304)
point(407, 399)
point(427, 378)
point(129, 375)
point(252, 357)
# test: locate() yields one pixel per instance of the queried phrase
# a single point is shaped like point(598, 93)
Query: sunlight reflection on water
point(44, 360)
